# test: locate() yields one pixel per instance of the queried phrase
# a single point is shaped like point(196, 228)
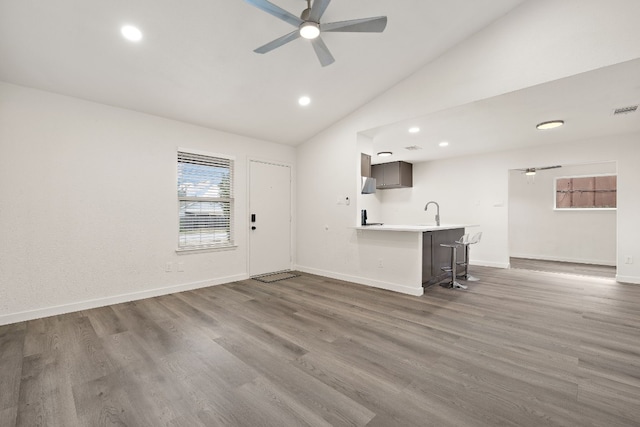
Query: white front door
point(270, 218)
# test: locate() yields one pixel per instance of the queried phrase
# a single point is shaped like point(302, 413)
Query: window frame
point(230, 200)
point(555, 190)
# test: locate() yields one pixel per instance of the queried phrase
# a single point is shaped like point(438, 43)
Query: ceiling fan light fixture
point(550, 125)
point(309, 30)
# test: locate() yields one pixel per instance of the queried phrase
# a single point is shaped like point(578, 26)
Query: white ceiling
point(585, 102)
point(196, 62)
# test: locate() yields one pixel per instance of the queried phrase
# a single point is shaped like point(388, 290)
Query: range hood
point(368, 185)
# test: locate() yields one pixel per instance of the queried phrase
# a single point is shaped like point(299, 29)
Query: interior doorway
point(546, 236)
point(270, 218)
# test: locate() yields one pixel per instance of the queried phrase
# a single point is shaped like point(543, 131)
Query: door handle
point(253, 227)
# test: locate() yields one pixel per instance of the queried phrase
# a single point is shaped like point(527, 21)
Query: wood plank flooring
point(564, 267)
point(518, 348)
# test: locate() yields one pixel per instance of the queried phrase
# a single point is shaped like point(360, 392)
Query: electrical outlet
point(180, 267)
point(380, 264)
point(628, 259)
point(168, 267)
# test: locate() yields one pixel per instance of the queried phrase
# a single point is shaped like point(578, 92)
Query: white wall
point(537, 231)
point(88, 213)
point(527, 47)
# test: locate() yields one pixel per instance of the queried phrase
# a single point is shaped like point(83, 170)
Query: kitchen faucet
point(437, 211)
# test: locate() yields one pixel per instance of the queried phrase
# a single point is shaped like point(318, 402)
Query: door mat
point(274, 277)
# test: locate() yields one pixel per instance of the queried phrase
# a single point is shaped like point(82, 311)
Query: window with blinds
point(205, 201)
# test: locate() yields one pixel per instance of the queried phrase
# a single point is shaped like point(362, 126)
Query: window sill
point(185, 251)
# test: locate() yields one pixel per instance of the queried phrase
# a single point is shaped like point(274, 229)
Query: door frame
point(292, 221)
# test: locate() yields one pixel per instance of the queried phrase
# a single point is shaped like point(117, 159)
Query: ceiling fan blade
point(276, 11)
point(322, 51)
point(548, 167)
point(364, 25)
point(317, 10)
point(278, 42)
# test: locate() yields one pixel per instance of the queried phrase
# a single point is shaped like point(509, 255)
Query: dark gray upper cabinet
point(393, 175)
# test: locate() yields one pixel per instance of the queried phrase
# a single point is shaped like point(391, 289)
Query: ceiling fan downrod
point(305, 13)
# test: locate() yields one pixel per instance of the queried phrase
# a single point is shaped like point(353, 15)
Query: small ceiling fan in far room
point(309, 27)
point(532, 171)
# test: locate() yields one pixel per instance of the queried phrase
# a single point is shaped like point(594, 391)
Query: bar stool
point(454, 266)
point(466, 241)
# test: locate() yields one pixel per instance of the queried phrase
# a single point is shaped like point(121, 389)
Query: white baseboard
point(39, 313)
point(363, 281)
point(628, 279)
point(490, 264)
point(563, 259)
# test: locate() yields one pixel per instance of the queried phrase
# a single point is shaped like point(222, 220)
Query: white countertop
point(417, 228)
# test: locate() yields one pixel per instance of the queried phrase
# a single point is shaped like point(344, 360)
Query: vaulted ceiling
point(196, 63)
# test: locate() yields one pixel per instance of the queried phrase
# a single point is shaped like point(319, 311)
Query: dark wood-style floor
point(516, 349)
point(564, 267)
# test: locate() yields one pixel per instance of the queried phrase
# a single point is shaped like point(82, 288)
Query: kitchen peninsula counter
point(406, 258)
point(412, 228)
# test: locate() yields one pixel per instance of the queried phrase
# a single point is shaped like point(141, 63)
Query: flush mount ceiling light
point(385, 154)
point(131, 33)
point(550, 125)
point(444, 144)
point(304, 101)
point(530, 172)
point(414, 129)
point(309, 30)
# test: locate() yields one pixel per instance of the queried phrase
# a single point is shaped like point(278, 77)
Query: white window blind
point(205, 201)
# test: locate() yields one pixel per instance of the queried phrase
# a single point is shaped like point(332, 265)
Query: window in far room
point(205, 201)
point(586, 192)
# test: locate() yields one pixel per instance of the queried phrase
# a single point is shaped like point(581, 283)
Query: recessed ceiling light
point(304, 101)
point(309, 30)
point(444, 144)
point(385, 154)
point(131, 33)
point(414, 129)
point(550, 125)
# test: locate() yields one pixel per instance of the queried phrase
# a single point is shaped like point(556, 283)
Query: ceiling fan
point(532, 171)
point(309, 26)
